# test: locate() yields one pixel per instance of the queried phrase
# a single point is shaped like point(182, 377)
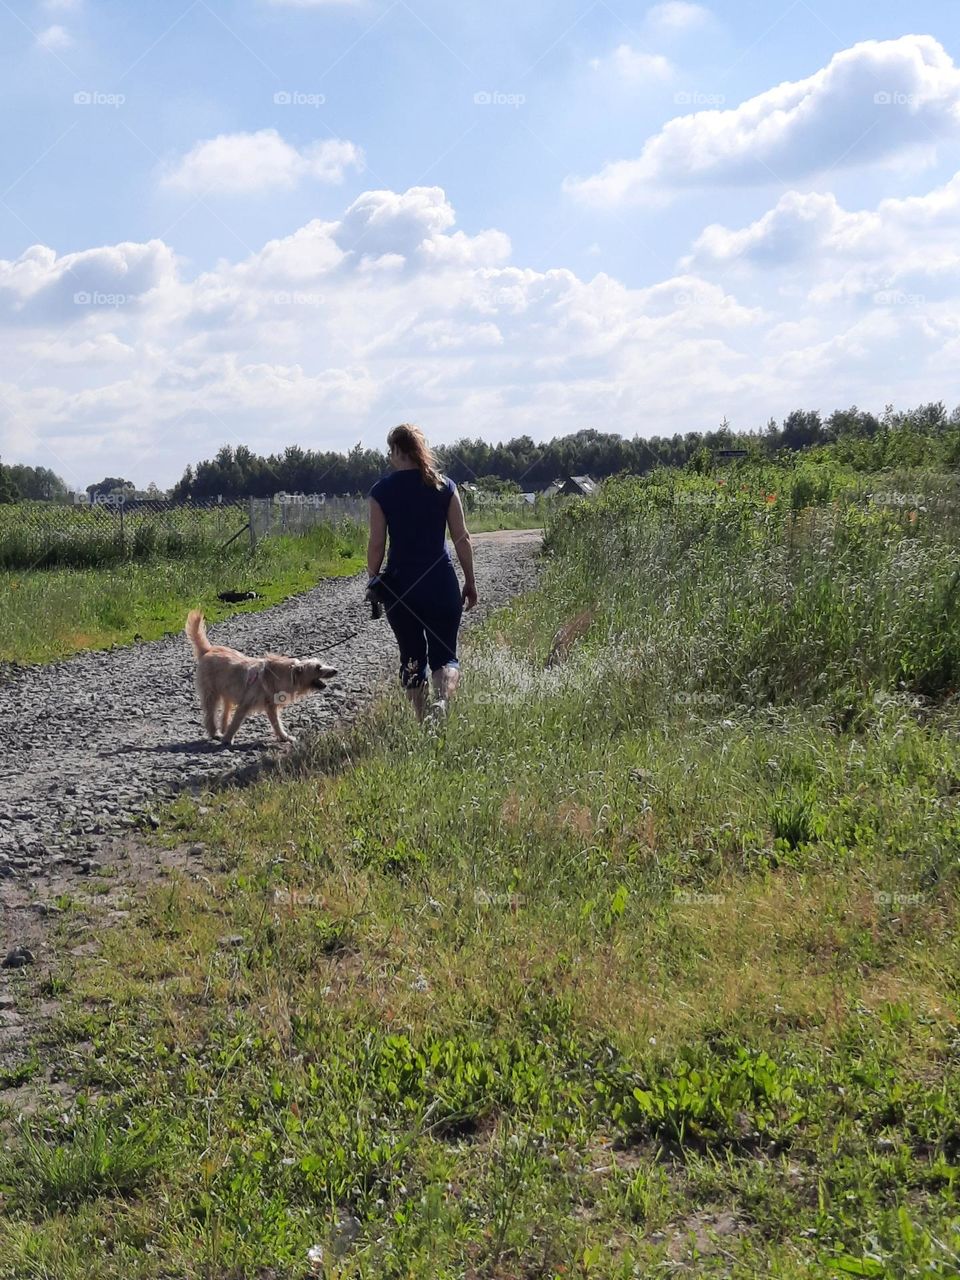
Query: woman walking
point(419, 587)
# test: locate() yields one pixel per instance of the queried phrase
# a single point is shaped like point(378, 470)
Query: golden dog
point(234, 686)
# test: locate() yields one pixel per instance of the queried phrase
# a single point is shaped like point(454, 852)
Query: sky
point(277, 222)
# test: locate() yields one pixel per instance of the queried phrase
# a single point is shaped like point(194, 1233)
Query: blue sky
point(278, 222)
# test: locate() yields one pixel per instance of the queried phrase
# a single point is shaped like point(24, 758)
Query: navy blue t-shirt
point(416, 520)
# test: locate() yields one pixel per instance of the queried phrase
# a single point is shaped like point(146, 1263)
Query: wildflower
point(771, 497)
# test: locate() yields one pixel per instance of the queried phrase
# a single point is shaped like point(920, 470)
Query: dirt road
point(88, 743)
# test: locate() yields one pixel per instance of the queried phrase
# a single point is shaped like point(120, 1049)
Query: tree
point(8, 489)
point(37, 482)
point(111, 484)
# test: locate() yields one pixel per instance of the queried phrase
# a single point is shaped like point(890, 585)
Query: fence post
point(253, 527)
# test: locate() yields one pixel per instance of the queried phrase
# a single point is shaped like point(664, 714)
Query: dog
point(233, 686)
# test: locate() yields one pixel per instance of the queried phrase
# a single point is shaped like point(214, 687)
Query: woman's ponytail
point(411, 441)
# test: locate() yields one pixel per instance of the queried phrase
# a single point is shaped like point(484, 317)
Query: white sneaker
point(438, 710)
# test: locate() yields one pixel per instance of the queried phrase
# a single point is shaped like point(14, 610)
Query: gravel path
point(91, 742)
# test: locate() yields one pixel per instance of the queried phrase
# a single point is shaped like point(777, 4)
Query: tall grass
point(643, 963)
point(37, 535)
point(51, 613)
point(767, 588)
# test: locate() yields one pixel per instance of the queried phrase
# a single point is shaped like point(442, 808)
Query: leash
point(375, 599)
point(343, 640)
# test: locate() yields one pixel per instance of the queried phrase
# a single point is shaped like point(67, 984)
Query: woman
point(424, 603)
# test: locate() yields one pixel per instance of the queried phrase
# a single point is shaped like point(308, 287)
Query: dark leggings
point(424, 613)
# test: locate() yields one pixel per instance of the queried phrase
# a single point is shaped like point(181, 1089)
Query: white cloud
point(871, 103)
point(633, 65)
point(677, 15)
point(41, 288)
point(237, 163)
point(391, 312)
point(55, 37)
point(904, 249)
point(62, 6)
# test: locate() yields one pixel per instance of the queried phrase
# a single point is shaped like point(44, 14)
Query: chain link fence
point(116, 528)
point(293, 513)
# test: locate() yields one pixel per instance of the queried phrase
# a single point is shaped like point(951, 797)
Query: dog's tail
point(197, 633)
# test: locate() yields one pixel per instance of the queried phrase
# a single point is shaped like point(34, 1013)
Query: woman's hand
point(469, 596)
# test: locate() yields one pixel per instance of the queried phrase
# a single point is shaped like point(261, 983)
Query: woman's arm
point(464, 547)
point(377, 542)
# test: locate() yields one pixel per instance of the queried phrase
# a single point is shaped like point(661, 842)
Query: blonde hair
point(411, 441)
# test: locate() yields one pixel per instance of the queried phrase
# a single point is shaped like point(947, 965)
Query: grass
point(47, 614)
point(488, 519)
point(52, 535)
point(646, 964)
point(53, 612)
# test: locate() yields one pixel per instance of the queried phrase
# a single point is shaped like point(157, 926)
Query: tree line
point(925, 436)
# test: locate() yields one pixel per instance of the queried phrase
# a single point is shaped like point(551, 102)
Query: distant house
point(730, 455)
point(570, 486)
point(578, 486)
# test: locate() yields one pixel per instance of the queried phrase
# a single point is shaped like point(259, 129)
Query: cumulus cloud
point(396, 227)
point(677, 15)
point(343, 327)
point(54, 37)
point(633, 65)
point(392, 312)
point(902, 249)
point(239, 163)
point(40, 287)
point(871, 103)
